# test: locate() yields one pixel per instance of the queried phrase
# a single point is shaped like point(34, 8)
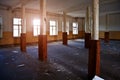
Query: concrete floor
point(64, 62)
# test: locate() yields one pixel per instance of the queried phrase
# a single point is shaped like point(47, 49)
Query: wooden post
point(23, 32)
point(64, 33)
point(42, 38)
point(94, 49)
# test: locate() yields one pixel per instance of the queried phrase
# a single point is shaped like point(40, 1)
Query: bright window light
point(16, 27)
point(36, 27)
point(53, 27)
point(75, 28)
point(52, 23)
point(36, 22)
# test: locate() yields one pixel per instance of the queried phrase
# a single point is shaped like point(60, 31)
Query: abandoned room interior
point(59, 39)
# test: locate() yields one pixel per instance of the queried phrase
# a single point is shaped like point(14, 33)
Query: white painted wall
point(114, 22)
point(102, 23)
point(6, 19)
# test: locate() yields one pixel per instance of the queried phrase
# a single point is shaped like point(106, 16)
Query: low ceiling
point(75, 8)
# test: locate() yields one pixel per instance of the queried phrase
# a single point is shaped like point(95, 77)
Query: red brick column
point(106, 37)
point(94, 59)
point(42, 48)
point(23, 42)
point(87, 39)
point(64, 38)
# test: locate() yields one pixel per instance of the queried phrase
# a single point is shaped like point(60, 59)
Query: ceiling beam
point(79, 7)
point(21, 3)
point(4, 7)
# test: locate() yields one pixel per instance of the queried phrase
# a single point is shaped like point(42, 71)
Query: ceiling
point(75, 8)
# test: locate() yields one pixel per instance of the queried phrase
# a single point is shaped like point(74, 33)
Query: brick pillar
point(64, 38)
point(23, 42)
point(106, 37)
point(87, 39)
point(94, 59)
point(42, 48)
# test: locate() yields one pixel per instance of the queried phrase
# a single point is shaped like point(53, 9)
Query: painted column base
point(87, 39)
point(23, 42)
point(106, 37)
point(42, 48)
point(64, 38)
point(94, 59)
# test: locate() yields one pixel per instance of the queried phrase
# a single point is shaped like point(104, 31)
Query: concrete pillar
point(42, 38)
point(95, 28)
point(23, 32)
point(106, 33)
point(87, 27)
point(64, 33)
point(94, 49)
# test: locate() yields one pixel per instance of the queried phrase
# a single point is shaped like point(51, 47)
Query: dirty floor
point(64, 62)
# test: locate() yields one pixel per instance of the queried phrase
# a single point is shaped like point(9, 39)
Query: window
point(53, 28)
point(16, 27)
point(67, 27)
point(1, 29)
point(36, 27)
point(75, 28)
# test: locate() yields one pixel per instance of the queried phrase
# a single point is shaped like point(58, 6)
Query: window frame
point(37, 27)
point(55, 26)
point(19, 25)
point(75, 28)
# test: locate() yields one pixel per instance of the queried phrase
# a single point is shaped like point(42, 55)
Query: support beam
point(64, 33)
point(42, 38)
point(21, 3)
point(95, 28)
point(94, 59)
point(23, 32)
point(94, 49)
point(87, 27)
point(88, 20)
point(42, 44)
point(77, 7)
